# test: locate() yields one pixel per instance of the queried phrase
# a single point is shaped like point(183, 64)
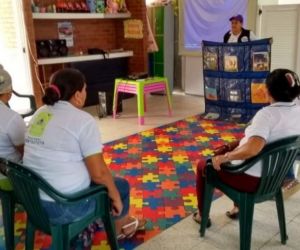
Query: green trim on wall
point(159, 36)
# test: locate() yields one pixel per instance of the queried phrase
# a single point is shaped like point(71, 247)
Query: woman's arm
point(251, 148)
point(226, 148)
point(100, 174)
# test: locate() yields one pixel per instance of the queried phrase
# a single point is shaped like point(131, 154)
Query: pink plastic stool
point(141, 88)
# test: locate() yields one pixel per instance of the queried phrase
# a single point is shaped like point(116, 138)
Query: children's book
point(260, 61)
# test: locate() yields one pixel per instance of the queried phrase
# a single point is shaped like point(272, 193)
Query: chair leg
point(29, 239)
point(60, 239)
point(246, 207)
point(281, 217)
point(8, 212)
point(110, 232)
point(207, 200)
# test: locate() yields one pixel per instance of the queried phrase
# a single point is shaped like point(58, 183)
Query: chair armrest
point(90, 192)
point(31, 101)
point(21, 95)
point(240, 168)
point(273, 147)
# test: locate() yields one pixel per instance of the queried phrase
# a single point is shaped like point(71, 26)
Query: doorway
point(13, 49)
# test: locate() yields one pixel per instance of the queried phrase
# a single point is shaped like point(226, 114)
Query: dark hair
point(283, 85)
point(66, 82)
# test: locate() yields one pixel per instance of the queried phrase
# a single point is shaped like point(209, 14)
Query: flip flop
point(121, 236)
point(233, 216)
point(136, 225)
point(196, 219)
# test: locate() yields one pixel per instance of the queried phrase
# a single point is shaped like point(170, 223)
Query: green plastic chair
point(277, 158)
point(8, 202)
point(26, 185)
point(33, 107)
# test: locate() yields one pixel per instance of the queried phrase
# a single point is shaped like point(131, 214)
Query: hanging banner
point(133, 29)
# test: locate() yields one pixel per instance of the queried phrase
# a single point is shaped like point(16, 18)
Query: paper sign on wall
point(65, 31)
point(133, 29)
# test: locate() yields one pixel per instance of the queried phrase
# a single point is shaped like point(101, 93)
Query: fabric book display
point(234, 78)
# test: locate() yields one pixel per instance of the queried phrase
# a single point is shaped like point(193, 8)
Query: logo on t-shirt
point(39, 124)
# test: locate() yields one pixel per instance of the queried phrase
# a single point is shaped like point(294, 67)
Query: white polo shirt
point(274, 122)
point(234, 38)
point(12, 132)
point(58, 140)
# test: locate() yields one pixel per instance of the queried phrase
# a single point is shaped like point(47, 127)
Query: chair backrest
point(26, 186)
point(277, 159)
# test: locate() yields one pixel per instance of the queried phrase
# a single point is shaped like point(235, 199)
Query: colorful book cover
point(259, 93)
point(261, 61)
point(210, 61)
point(230, 63)
point(234, 95)
point(211, 93)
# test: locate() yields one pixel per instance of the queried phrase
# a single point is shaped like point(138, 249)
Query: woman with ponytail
point(63, 145)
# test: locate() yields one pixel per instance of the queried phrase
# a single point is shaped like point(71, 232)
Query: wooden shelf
point(83, 58)
point(67, 16)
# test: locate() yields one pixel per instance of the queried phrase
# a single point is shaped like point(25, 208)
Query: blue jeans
point(63, 214)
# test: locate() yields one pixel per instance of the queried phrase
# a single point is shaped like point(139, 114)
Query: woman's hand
point(117, 207)
point(218, 161)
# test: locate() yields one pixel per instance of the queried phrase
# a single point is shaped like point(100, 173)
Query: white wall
point(192, 75)
point(282, 22)
point(275, 2)
point(289, 1)
point(268, 2)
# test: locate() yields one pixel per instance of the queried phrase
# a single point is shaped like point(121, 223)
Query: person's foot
point(197, 219)
point(130, 229)
point(233, 214)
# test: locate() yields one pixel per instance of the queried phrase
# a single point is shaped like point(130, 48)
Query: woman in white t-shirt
point(12, 127)
point(279, 120)
point(63, 145)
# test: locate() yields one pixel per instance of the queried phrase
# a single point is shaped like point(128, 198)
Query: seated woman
point(279, 120)
point(63, 145)
point(12, 127)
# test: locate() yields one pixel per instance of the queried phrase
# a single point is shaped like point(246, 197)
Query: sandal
point(233, 216)
point(137, 227)
point(197, 220)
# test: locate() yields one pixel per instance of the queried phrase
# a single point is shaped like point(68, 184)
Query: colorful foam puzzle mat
point(160, 166)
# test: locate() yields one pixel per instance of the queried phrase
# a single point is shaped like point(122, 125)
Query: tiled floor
point(224, 234)
point(156, 115)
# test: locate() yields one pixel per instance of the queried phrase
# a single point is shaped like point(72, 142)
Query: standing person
point(268, 125)
point(12, 127)
point(238, 34)
point(63, 145)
